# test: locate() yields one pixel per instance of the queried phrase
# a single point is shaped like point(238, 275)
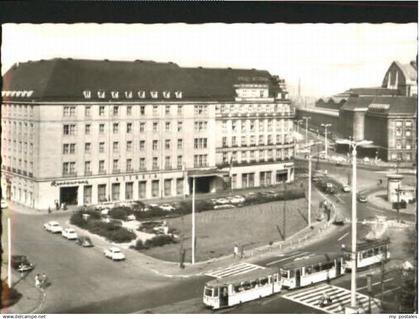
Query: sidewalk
point(379, 200)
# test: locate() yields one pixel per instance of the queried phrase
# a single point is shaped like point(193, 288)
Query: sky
point(327, 58)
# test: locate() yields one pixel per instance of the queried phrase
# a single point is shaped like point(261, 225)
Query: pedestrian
point(49, 210)
point(57, 206)
point(37, 281)
point(235, 251)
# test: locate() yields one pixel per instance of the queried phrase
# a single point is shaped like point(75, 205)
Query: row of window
point(253, 108)
point(251, 140)
point(17, 110)
point(246, 156)
point(129, 94)
point(69, 168)
point(401, 156)
point(257, 125)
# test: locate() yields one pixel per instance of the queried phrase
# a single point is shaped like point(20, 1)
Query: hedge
point(154, 242)
point(110, 231)
point(120, 212)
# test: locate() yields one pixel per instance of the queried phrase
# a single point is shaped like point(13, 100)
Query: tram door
point(338, 267)
point(298, 274)
point(224, 296)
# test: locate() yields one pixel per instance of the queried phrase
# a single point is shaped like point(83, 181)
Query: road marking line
point(389, 290)
point(375, 284)
point(286, 258)
point(232, 270)
point(344, 236)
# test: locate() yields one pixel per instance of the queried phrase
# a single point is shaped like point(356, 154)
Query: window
point(142, 189)
point(168, 162)
point(155, 109)
point(87, 129)
point(200, 160)
point(69, 148)
point(101, 147)
point(129, 146)
point(225, 158)
point(408, 133)
point(155, 188)
point(115, 191)
point(398, 124)
point(234, 180)
point(155, 145)
point(141, 145)
point(224, 141)
point(69, 168)
point(179, 144)
point(129, 190)
point(87, 111)
point(167, 126)
point(200, 143)
point(101, 167)
point(167, 109)
point(261, 140)
point(142, 163)
point(269, 139)
point(115, 167)
point(234, 143)
point(69, 129)
point(179, 110)
point(200, 109)
point(101, 110)
point(87, 168)
point(155, 163)
point(179, 128)
point(155, 126)
point(115, 147)
point(179, 186)
point(243, 126)
point(102, 193)
point(179, 161)
point(69, 111)
point(115, 110)
point(128, 165)
point(167, 185)
point(167, 144)
point(243, 140)
point(398, 145)
point(115, 128)
point(87, 148)
point(142, 110)
point(398, 131)
point(142, 124)
point(101, 128)
point(129, 109)
point(408, 124)
point(243, 156)
point(129, 127)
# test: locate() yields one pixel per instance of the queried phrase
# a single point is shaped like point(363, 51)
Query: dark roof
point(409, 70)
point(394, 105)
point(375, 91)
point(357, 103)
point(312, 260)
point(249, 276)
point(66, 79)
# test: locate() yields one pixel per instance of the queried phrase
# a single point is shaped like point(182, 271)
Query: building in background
point(84, 131)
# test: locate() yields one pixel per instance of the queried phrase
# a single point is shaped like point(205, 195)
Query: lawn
point(251, 226)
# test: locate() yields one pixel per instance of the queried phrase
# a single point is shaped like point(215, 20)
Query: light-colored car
point(346, 188)
point(4, 203)
point(53, 227)
point(114, 253)
point(131, 217)
point(167, 207)
point(237, 199)
point(69, 233)
point(222, 201)
point(223, 206)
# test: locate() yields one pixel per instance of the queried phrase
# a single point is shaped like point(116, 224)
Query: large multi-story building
point(84, 132)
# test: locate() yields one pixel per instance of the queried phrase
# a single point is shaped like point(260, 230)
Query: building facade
point(83, 132)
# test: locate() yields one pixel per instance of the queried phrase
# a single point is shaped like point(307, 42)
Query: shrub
point(77, 219)
point(120, 212)
point(154, 242)
point(121, 235)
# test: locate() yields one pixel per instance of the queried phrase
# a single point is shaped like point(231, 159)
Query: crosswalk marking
point(232, 270)
point(340, 297)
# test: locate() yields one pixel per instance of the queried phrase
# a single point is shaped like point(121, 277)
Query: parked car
point(114, 253)
point(53, 227)
point(21, 263)
point(223, 206)
point(222, 201)
point(4, 203)
point(69, 233)
point(251, 195)
point(167, 207)
point(346, 188)
point(362, 198)
point(237, 199)
point(84, 241)
point(131, 217)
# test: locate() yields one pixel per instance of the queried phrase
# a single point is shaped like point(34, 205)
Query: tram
point(227, 292)
point(369, 252)
point(310, 270)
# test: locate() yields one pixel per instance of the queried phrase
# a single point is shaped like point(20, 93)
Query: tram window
point(284, 273)
point(237, 288)
point(308, 270)
point(253, 284)
point(263, 281)
point(370, 252)
point(292, 274)
point(376, 251)
point(247, 285)
point(316, 268)
point(327, 266)
point(207, 292)
point(216, 292)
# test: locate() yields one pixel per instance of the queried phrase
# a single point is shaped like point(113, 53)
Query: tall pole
point(309, 188)
point(193, 224)
point(326, 137)
point(9, 253)
point(353, 232)
point(306, 118)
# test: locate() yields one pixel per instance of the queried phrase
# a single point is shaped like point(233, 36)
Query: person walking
point(37, 281)
point(235, 251)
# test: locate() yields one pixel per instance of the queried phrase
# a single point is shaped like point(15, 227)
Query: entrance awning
point(207, 173)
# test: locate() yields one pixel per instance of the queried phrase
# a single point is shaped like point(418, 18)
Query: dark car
point(84, 241)
point(21, 263)
point(362, 198)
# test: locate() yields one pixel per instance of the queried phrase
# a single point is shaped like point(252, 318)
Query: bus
point(230, 291)
point(369, 252)
point(309, 270)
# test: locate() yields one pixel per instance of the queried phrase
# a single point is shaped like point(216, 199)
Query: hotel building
point(83, 132)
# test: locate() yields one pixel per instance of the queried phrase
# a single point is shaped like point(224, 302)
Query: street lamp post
point(306, 118)
point(193, 224)
point(326, 126)
point(353, 144)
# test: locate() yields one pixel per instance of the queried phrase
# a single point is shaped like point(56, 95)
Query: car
point(237, 199)
point(362, 198)
point(4, 203)
point(69, 233)
point(222, 201)
point(167, 207)
point(84, 241)
point(131, 217)
point(53, 227)
point(223, 206)
point(21, 263)
point(346, 188)
point(114, 253)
